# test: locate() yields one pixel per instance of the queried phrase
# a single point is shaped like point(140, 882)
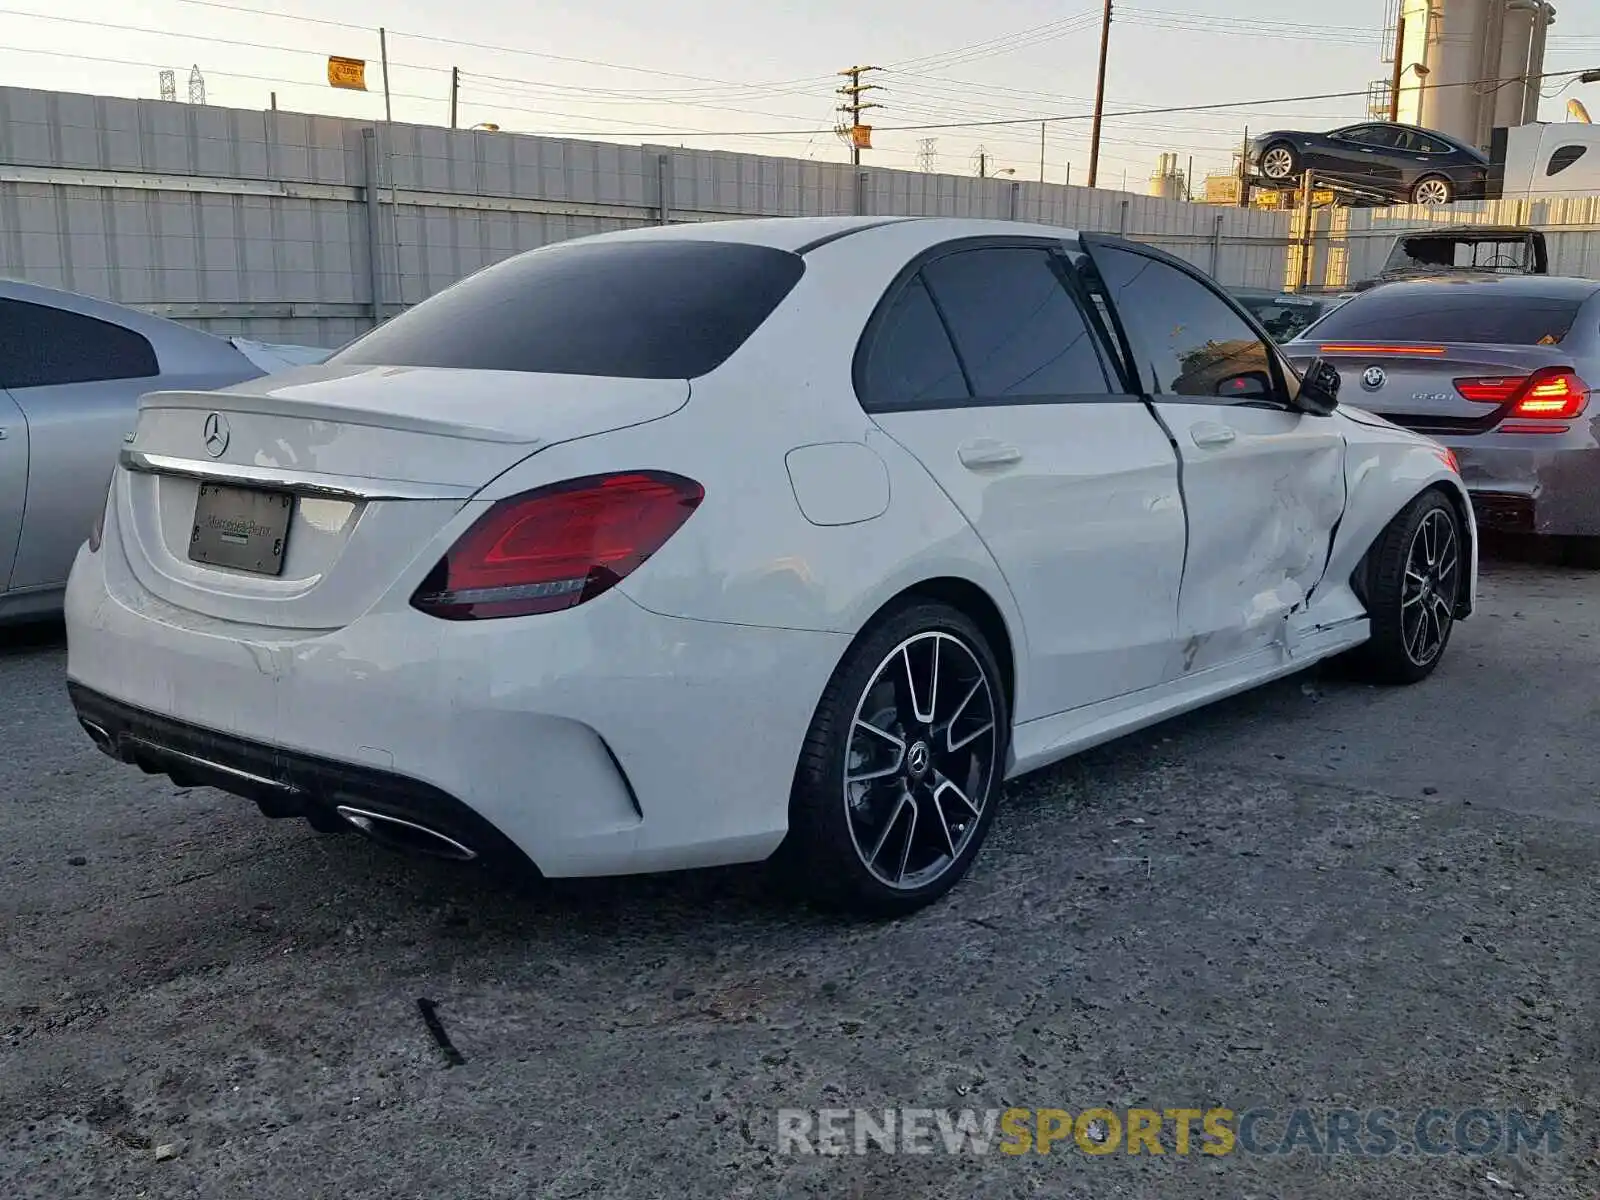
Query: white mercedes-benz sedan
point(705, 544)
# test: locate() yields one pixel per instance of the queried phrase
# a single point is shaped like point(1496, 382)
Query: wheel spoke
point(966, 741)
point(945, 785)
point(918, 713)
point(911, 834)
point(888, 828)
point(944, 823)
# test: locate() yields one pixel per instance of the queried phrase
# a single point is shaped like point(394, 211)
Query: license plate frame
point(242, 528)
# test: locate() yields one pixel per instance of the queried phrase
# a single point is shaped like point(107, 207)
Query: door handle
point(1208, 433)
point(2, 433)
point(986, 452)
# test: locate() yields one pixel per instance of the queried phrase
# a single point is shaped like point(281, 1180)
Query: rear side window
point(911, 363)
point(1451, 314)
point(1016, 327)
point(633, 310)
point(42, 346)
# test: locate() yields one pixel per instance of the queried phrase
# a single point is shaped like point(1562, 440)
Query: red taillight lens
point(1550, 393)
point(558, 546)
point(1555, 393)
point(1491, 391)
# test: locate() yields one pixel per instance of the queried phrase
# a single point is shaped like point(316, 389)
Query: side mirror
point(1319, 388)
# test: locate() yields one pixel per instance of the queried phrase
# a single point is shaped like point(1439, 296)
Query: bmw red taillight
point(1555, 393)
point(1495, 390)
point(1550, 393)
point(557, 546)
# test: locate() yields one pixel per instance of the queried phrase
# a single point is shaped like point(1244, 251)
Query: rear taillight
point(558, 546)
point(97, 531)
point(1550, 393)
point(1491, 391)
point(1555, 393)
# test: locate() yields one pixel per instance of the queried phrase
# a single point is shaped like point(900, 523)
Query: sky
point(761, 77)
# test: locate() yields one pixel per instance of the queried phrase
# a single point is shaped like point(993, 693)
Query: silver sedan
point(1496, 367)
point(72, 370)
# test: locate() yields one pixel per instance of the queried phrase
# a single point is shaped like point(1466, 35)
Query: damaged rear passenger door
point(1263, 483)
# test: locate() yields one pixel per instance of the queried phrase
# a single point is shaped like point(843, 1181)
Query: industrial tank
point(1470, 65)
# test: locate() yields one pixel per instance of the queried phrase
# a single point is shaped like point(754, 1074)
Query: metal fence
point(302, 228)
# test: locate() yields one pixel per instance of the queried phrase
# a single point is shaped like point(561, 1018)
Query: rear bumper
point(603, 740)
point(1551, 487)
point(286, 783)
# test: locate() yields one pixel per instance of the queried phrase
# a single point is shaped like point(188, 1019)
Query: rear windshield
point(1451, 314)
point(1282, 317)
point(634, 310)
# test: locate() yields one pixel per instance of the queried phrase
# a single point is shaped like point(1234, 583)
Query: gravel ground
point(1318, 895)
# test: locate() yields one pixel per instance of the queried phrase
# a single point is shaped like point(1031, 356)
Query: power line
point(445, 41)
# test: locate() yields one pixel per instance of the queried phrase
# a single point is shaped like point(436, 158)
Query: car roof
point(1456, 232)
point(1510, 287)
point(799, 234)
point(170, 338)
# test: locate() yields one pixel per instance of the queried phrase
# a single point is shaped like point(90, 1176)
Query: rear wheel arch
point(972, 600)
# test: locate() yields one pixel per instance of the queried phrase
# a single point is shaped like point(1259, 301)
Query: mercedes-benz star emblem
point(216, 435)
point(917, 759)
point(1373, 378)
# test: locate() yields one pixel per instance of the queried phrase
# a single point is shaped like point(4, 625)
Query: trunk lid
point(1413, 384)
point(296, 500)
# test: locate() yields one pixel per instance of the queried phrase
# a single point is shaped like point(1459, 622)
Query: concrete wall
point(262, 223)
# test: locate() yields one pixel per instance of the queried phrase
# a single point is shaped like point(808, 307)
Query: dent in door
point(838, 483)
point(1285, 531)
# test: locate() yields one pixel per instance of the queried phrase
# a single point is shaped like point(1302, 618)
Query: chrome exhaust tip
point(405, 835)
point(97, 734)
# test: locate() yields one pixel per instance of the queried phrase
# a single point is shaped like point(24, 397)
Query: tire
point(1417, 562)
point(1433, 190)
point(1280, 153)
point(905, 830)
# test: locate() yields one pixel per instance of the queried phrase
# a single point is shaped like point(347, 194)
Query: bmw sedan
point(71, 371)
point(711, 543)
point(1498, 368)
point(1397, 163)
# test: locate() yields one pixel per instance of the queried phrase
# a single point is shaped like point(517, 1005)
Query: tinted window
point(1282, 316)
point(1451, 314)
point(1016, 327)
point(1371, 135)
point(1564, 158)
point(1187, 339)
point(910, 361)
point(40, 346)
point(637, 310)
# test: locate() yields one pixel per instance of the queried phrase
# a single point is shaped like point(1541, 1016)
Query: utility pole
point(383, 53)
point(1099, 95)
point(1399, 63)
point(455, 93)
point(927, 154)
point(854, 106)
point(1244, 170)
point(1041, 151)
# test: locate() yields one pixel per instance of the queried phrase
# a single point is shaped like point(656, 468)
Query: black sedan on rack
point(1398, 163)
